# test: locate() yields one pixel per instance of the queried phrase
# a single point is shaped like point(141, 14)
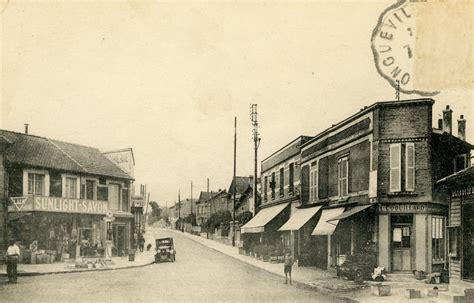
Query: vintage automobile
point(165, 250)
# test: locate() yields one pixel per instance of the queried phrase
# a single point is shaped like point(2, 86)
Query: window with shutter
point(313, 181)
point(282, 182)
point(395, 163)
point(272, 185)
point(342, 176)
point(305, 179)
point(291, 178)
point(410, 167)
point(265, 189)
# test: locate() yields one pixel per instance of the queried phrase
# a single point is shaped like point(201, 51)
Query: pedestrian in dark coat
point(141, 242)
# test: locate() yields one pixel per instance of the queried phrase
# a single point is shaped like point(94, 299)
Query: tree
point(156, 212)
point(244, 217)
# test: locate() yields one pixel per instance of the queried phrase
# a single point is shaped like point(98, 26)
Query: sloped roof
point(242, 185)
point(47, 153)
point(204, 195)
point(466, 174)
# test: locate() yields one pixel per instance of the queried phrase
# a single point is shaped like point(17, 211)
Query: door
point(401, 247)
point(468, 242)
point(119, 239)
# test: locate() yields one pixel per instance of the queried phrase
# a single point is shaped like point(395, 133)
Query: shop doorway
point(84, 241)
point(402, 242)
point(468, 242)
point(120, 239)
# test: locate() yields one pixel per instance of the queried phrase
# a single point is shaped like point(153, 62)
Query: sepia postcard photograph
point(237, 151)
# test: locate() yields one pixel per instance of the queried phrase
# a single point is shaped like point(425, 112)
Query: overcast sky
point(168, 79)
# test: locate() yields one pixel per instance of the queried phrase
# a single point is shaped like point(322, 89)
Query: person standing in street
point(13, 255)
point(288, 266)
point(141, 242)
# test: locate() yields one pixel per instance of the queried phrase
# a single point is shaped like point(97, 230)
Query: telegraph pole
point(179, 209)
point(234, 183)
point(256, 144)
point(191, 205)
point(397, 91)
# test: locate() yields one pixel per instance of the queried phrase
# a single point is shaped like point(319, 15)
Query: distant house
point(203, 207)
point(243, 194)
point(219, 202)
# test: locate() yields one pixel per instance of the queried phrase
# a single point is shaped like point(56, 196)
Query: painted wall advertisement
point(55, 204)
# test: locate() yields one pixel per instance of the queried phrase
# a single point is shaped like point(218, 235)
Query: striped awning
point(257, 223)
point(299, 218)
point(350, 212)
point(324, 227)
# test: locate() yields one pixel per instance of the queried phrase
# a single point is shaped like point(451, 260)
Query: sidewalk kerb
point(44, 273)
point(296, 283)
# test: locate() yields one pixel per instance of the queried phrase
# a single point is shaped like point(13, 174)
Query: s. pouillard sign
point(53, 204)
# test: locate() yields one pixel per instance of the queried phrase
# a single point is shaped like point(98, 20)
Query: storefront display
point(67, 236)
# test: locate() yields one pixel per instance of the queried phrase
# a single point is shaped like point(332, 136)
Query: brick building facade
point(371, 179)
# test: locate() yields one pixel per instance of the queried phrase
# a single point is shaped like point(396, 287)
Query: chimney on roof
point(26, 128)
point(462, 128)
point(440, 123)
point(447, 120)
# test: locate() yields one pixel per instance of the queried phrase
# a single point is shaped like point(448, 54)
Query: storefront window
point(454, 242)
point(437, 238)
point(35, 184)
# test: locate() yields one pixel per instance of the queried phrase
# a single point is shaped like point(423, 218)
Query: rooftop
point(41, 152)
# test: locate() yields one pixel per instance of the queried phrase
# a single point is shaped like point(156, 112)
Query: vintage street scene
point(237, 151)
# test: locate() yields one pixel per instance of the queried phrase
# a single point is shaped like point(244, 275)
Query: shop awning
point(257, 224)
point(325, 228)
point(350, 212)
point(301, 216)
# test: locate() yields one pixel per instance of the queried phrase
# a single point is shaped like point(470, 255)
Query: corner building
point(373, 174)
point(70, 198)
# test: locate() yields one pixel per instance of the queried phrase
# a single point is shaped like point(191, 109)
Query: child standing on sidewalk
point(288, 266)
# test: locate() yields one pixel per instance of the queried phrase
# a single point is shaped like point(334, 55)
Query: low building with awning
point(299, 227)
point(345, 228)
point(258, 224)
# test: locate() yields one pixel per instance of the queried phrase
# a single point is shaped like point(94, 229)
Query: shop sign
point(462, 192)
point(409, 208)
point(137, 202)
point(63, 205)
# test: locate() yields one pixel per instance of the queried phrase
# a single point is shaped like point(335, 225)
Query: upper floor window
point(291, 178)
point(70, 187)
point(397, 161)
point(114, 196)
point(410, 167)
point(313, 182)
point(36, 184)
point(272, 185)
point(342, 176)
point(460, 163)
point(265, 181)
point(282, 182)
point(90, 189)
